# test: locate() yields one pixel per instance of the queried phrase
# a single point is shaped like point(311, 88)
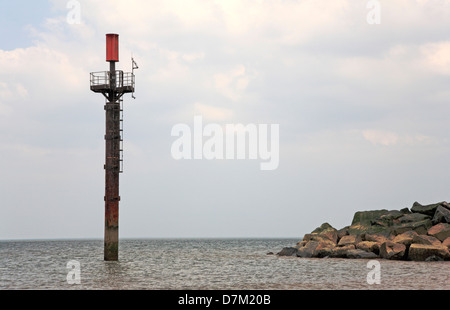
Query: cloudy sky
point(363, 111)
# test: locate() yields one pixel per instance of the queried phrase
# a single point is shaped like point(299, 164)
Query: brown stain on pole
point(112, 170)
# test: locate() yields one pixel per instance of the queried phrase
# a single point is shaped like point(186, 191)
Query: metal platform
point(101, 82)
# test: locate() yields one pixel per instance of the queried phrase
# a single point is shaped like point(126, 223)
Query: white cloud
point(12, 92)
point(437, 56)
point(193, 56)
point(40, 70)
point(212, 113)
point(315, 67)
point(232, 83)
point(384, 138)
point(285, 22)
point(388, 138)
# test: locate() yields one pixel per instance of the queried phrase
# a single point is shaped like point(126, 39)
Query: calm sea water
point(201, 264)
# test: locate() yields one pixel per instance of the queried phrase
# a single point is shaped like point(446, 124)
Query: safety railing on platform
point(102, 79)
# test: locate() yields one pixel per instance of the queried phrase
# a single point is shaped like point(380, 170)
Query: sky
point(363, 110)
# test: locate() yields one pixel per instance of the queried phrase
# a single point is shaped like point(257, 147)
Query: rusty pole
point(112, 171)
point(112, 84)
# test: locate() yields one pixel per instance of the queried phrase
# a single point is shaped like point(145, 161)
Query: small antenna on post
point(134, 66)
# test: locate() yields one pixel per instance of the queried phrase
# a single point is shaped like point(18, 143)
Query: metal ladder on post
point(121, 135)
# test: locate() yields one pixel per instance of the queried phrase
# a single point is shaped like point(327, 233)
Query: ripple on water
point(201, 264)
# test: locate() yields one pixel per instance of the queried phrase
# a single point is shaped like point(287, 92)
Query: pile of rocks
point(419, 234)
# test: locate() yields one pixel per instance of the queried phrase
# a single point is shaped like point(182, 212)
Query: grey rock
point(288, 252)
point(425, 209)
point(406, 238)
point(322, 227)
point(343, 232)
point(341, 252)
point(442, 215)
point(369, 246)
point(346, 240)
point(446, 243)
point(420, 252)
point(308, 250)
point(427, 240)
point(405, 211)
point(420, 227)
point(360, 254)
point(367, 217)
point(413, 217)
point(391, 250)
point(445, 204)
point(440, 231)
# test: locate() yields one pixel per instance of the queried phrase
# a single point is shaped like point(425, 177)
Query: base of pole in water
point(111, 252)
point(111, 244)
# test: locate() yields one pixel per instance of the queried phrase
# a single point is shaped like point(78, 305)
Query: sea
point(201, 264)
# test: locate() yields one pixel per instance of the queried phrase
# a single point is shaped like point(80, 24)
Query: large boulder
point(405, 211)
point(427, 240)
point(361, 229)
point(343, 232)
point(323, 227)
point(346, 240)
point(446, 243)
point(369, 246)
point(368, 217)
point(301, 244)
point(308, 237)
point(392, 250)
point(314, 248)
point(425, 209)
point(420, 252)
point(413, 217)
point(288, 251)
point(341, 251)
point(358, 229)
point(406, 238)
point(324, 232)
point(323, 249)
point(445, 204)
point(375, 221)
point(440, 231)
point(388, 219)
point(391, 216)
point(379, 238)
point(330, 234)
point(308, 250)
point(326, 236)
point(420, 227)
point(442, 215)
point(360, 254)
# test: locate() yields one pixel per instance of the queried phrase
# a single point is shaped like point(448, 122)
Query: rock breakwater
point(421, 233)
